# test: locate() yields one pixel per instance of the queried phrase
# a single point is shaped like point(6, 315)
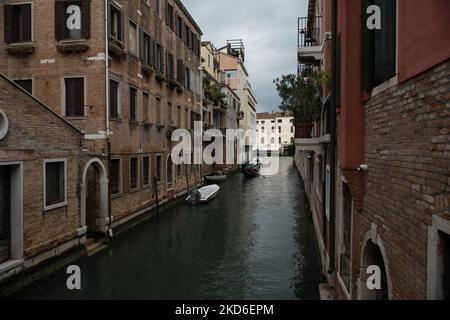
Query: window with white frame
point(55, 192)
point(74, 97)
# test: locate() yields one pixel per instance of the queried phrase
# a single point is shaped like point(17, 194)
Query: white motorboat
point(204, 194)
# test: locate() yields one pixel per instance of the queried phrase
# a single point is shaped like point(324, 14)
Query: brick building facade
point(126, 83)
point(41, 156)
point(391, 196)
point(127, 111)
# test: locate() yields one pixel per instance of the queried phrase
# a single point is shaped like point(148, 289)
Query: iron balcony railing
point(309, 32)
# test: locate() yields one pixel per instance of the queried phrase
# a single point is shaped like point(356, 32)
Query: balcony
point(312, 144)
point(310, 40)
point(222, 107)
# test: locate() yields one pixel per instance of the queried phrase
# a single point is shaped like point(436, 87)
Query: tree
point(302, 96)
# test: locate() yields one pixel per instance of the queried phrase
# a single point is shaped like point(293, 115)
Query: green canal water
point(254, 241)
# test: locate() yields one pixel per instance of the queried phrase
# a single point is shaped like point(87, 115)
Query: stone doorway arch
point(373, 254)
point(94, 197)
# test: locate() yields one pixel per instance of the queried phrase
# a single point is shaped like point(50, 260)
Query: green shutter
point(8, 23)
point(86, 18)
point(384, 42)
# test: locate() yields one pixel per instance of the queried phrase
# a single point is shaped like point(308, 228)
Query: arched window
point(262, 129)
point(273, 129)
point(272, 141)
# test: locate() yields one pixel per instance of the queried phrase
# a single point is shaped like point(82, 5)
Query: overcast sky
point(268, 29)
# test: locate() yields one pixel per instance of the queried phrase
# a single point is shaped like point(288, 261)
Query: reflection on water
point(255, 241)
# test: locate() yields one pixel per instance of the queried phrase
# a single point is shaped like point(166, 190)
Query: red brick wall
point(407, 150)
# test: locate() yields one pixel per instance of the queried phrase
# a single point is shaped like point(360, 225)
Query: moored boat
point(203, 195)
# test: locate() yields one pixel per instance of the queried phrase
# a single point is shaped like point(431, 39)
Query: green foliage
point(213, 91)
point(302, 96)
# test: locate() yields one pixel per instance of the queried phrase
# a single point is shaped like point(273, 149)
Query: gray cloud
point(268, 29)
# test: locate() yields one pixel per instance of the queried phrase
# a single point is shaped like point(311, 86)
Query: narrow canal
point(255, 241)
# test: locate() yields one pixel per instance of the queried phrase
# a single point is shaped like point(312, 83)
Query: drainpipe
point(333, 143)
point(108, 139)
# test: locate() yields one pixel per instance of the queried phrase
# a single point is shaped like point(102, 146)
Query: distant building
point(274, 131)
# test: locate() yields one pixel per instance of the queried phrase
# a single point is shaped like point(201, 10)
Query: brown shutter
point(8, 25)
point(26, 15)
point(86, 18)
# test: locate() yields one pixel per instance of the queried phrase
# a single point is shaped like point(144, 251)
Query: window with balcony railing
point(309, 32)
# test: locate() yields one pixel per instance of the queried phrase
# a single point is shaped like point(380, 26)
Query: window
point(146, 171)
point(132, 38)
point(292, 129)
point(74, 97)
point(133, 104)
point(158, 7)
point(179, 27)
point(116, 177)
point(146, 106)
point(55, 184)
point(233, 74)
point(158, 168)
point(159, 111)
point(344, 269)
point(279, 129)
point(273, 129)
point(279, 140)
point(170, 66)
point(169, 113)
point(116, 24)
point(133, 174)
point(188, 79)
point(179, 117)
point(188, 36)
point(114, 99)
point(169, 18)
point(18, 23)
point(272, 141)
point(159, 58)
point(280, 121)
point(180, 71)
point(262, 130)
point(169, 172)
point(379, 45)
point(262, 140)
point(26, 85)
point(145, 48)
point(72, 19)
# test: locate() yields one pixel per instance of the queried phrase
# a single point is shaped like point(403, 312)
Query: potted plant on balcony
point(303, 98)
point(213, 92)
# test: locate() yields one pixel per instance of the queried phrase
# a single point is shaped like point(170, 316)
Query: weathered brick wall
point(408, 153)
point(36, 134)
point(129, 138)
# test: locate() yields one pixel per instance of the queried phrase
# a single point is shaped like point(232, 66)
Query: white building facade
point(274, 131)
